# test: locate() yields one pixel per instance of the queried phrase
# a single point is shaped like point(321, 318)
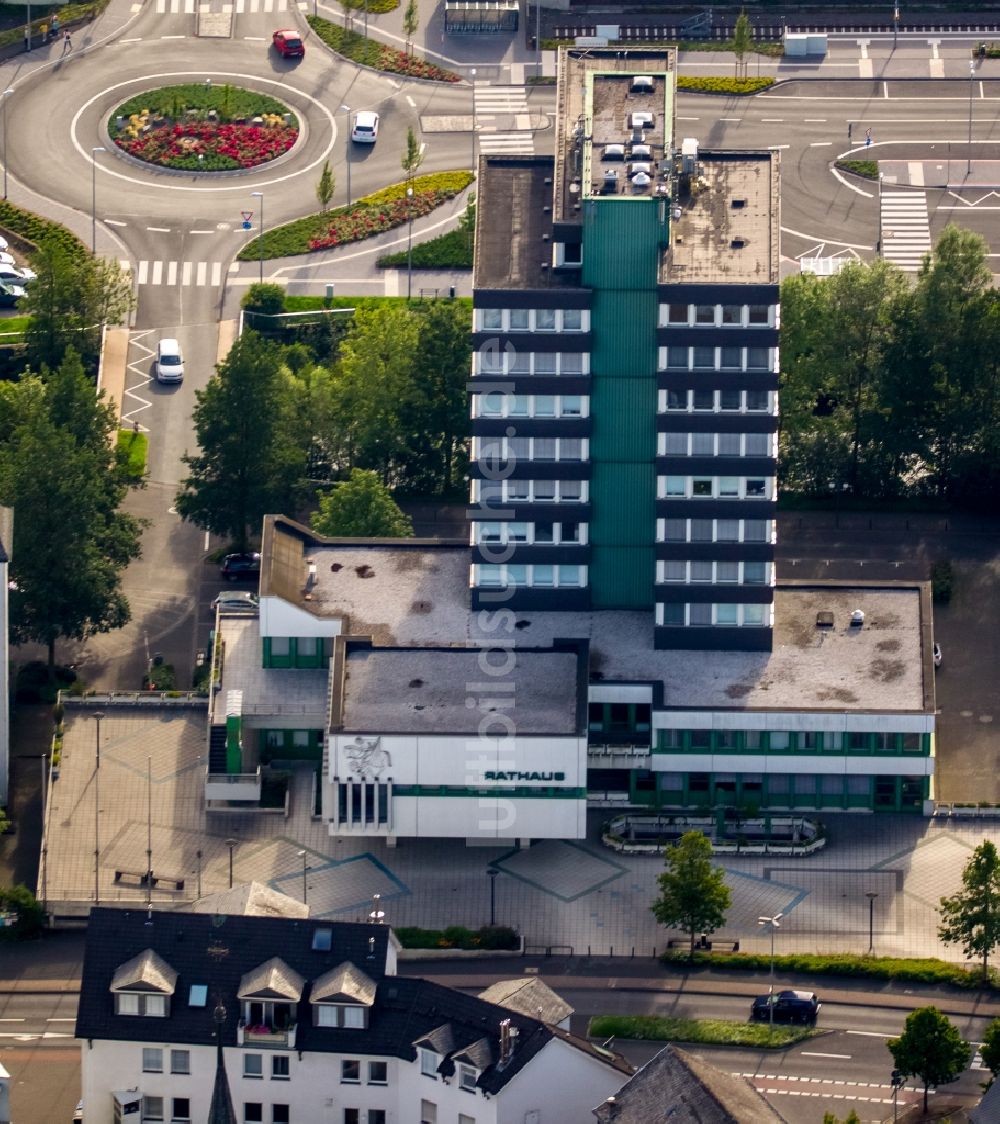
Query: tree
point(694, 896)
point(30, 915)
point(850, 1118)
point(930, 1048)
point(253, 455)
point(361, 507)
point(412, 157)
point(971, 917)
point(741, 41)
point(411, 20)
point(325, 187)
point(69, 302)
point(265, 297)
point(62, 474)
point(990, 1049)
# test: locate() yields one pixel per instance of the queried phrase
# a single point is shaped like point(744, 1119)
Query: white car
point(240, 600)
point(365, 129)
point(169, 361)
point(14, 276)
point(7, 259)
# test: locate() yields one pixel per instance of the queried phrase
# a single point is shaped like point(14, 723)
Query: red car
point(288, 44)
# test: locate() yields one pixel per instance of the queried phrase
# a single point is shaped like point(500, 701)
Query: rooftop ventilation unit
point(610, 185)
point(737, 204)
point(643, 84)
point(642, 152)
point(641, 119)
point(737, 243)
point(641, 179)
point(640, 166)
point(614, 152)
point(857, 618)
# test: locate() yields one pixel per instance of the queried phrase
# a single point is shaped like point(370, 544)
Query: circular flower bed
point(204, 128)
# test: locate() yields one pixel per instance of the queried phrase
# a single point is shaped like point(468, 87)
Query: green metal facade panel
point(619, 256)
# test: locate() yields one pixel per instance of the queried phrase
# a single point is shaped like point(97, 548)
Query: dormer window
point(342, 997)
point(467, 1077)
point(428, 1063)
point(339, 1014)
point(269, 998)
point(143, 986)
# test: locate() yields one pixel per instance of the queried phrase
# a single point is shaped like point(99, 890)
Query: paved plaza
point(574, 895)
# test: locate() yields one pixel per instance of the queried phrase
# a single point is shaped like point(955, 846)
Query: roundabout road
point(181, 231)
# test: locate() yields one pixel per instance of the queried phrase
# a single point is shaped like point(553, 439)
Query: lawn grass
point(705, 1032)
point(229, 102)
point(14, 326)
point(868, 169)
point(135, 446)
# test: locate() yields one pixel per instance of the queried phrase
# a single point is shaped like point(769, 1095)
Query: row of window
point(253, 1066)
point(717, 573)
point(707, 358)
point(717, 315)
point(715, 487)
point(498, 404)
point(490, 360)
point(715, 530)
point(467, 1075)
point(812, 741)
point(532, 320)
point(538, 533)
point(717, 444)
point(497, 492)
point(152, 1060)
point(707, 615)
point(532, 577)
point(718, 401)
point(530, 449)
point(180, 1110)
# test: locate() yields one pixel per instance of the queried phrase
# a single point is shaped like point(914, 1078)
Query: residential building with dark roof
point(313, 1025)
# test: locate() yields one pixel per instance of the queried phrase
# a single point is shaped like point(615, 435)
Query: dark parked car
point(235, 567)
point(789, 1007)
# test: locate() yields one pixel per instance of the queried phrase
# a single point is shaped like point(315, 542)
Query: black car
point(235, 567)
point(789, 1007)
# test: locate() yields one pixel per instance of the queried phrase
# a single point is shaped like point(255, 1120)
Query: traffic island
point(705, 1032)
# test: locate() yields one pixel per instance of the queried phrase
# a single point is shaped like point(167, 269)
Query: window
point(753, 615)
point(732, 358)
point(376, 1116)
point(758, 358)
point(180, 1109)
point(466, 1078)
point(428, 1063)
point(569, 532)
point(729, 444)
point(701, 486)
point(857, 741)
point(280, 1114)
point(704, 356)
point(673, 615)
point(726, 614)
point(732, 314)
point(701, 530)
point(152, 1108)
point(378, 1073)
point(754, 573)
point(571, 490)
point(674, 571)
point(758, 444)
point(253, 1065)
point(352, 1116)
point(544, 532)
point(545, 490)
point(428, 1112)
point(545, 320)
point(757, 401)
point(728, 530)
point(727, 571)
point(180, 1061)
point(492, 319)
point(569, 576)
point(700, 614)
point(677, 356)
point(911, 743)
point(778, 739)
point(517, 405)
point(704, 399)
point(350, 1071)
point(729, 400)
point(571, 363)
point(756, 488)
point(150, 1006)
point(152, 1059)
point(571, 449)
point(253, 1113)
point(543, 576)
point(758, 314)
point(755, 530)
point(572, 320)
point(729, 486)
point(571, 406)
point(677, 400)
point(518, 318)
point(701, 571)
point(704, 314)
point(545, 363)
point(279, 1067)
point(545, 449)
point(677, 313)
point(674, 486)
point(702, 444)
point(675, 530)
point(489, 532)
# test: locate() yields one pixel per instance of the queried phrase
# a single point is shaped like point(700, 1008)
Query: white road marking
point(115, 222)
point(423, 145)
point(819, 144)
point(13, 1020)
point(772, 120)
point(687, 119)
point(410, 102)
point(157, 273)
point(815, 120)
point(171, 273)
point(870, 1034)
point(817, 1054)
point(137, 40)
point(216, 273)
point(201, 232)
point(158, 229)
point(186, 273)
point(202, 272)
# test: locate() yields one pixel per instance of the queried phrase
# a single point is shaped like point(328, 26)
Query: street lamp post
point(472, 74)
point(93, 195)
point(347, 156)
point(198, 855)
point(231, 843)
point(98, 715)
point(493, 872)
point(898, 1080)
point(772, 923)
point(409, 242)
point(5, 95)
point(871, 896)
point(972, 74)
point(305, 891)
point(895, 26)
point(260, 195)
point(376, 915)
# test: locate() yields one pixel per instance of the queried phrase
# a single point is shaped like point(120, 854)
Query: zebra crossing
point(906, 232)
point(511, 104)
point(229, 7)
point(174, 273)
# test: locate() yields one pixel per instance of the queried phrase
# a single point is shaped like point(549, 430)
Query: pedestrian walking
point(44, 32)
point(67, 41)
point(54, 23)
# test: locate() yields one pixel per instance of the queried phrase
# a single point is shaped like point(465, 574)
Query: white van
point(169, 362)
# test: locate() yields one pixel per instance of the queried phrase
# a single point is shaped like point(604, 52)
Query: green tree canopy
point(62, 475)
point(990, 1049)
point(411, 20)
point(325, 186)
point(361, 507)
point(69, 302)
point(971, 918)
point(412, 157)
point(693, 896)
point(252, 458)
point(741, 41)
point(930, 1048)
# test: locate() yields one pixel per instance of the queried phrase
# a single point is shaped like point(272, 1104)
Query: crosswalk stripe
point(202, 272)
point(172, 273)
point(217, 273)
point(906, 233)
point(157, 277)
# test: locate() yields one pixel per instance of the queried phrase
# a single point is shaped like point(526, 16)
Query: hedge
point(134, 447)
point(866, 168)
point(370, 52)
point(739, 86)
point(716, 1032)
point(33, 229)
point(928, 971)
point(448, 251)
point(297, 237)
point(457, 936)
point(308, 304)
point(373, 7)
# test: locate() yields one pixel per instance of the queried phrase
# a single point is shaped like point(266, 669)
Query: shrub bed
point(31, 229)
point(719, 1032)
point(379, 56)
point(452, 250)
point(740, 86)
point(942, 582)
point(493, 937)
point(928, 971)
point(133, 448)
point(371, 214)
point(866, 168)
point(203, 128)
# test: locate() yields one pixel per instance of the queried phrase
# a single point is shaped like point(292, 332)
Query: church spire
point(221, 1110)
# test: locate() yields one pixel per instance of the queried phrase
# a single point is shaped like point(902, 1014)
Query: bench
point(147, 877)
point(705, 945)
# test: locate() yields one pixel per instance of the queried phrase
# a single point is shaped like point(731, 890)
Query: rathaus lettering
point(525, 776)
